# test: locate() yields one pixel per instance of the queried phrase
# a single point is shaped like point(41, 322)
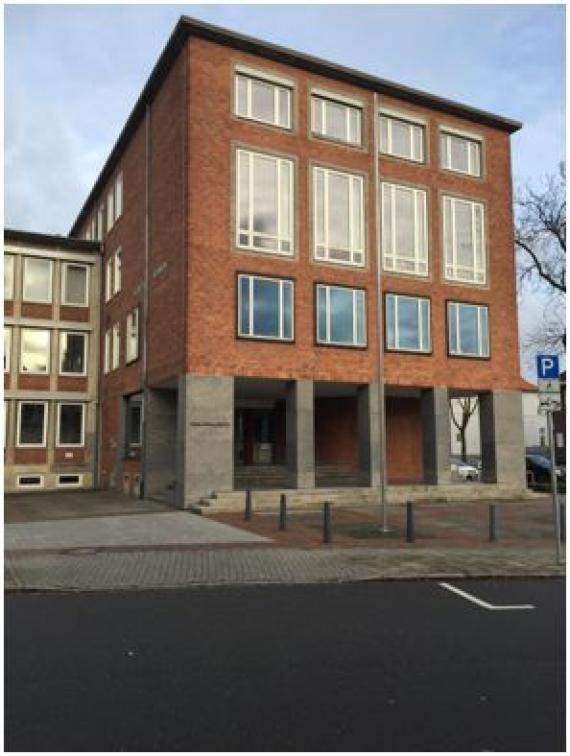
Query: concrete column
point(159, 437)
point(436, 435)
point(205, 437)
point(300, 434)
point(502, 438)
point(369, 434)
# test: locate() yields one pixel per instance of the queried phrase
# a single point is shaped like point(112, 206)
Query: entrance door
point(255, 434)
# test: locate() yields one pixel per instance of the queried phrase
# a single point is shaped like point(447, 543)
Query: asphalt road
point(362, 667)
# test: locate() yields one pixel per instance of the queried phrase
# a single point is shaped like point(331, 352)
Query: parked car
point(463, 469)
point(538, 469)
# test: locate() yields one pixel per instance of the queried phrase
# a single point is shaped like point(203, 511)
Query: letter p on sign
point(547, 366)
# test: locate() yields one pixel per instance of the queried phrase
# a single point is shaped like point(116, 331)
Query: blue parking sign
point(547, 366)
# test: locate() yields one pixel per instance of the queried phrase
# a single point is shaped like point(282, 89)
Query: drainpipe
point(379, 319)
point(145, 301)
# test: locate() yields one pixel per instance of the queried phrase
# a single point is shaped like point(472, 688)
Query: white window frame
point(58, 442)
point(277, 83)
point(110, 208)
point(118, 196)
point(320, 129)
point(117, 270)
point(413, 124)
point(116, 350)
point(33, 372)
point(109, 277)
point(9, 264)
point(79, 477)
point(418, 300)
point(281, 282)
point(37, 301)
point(42, 445)
point(445, 151)
point(328, 341)
point(132, 336)
point(7, 348)
point(421, 255)
point(283, 235)
point(62, 346)
point(354, 251)
point(29, 486)
point(100, 221)
point(65, 267)
point(458, 353)
point(108, 347)
point(450, 248)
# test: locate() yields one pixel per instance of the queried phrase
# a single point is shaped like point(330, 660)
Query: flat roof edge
point(50, 240)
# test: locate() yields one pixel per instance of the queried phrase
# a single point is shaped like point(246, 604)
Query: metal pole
point(553, 485)
point(410, 529)
point(492, 522)
point(327, 529)
point(248, 505)
point(283, 512)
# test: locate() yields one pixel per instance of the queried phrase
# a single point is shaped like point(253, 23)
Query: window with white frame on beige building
point(70, 424)
point(7, 348)
point(37, 280)
point(404, 229)
point(73, 353)
point(464, 240)
point(75, 285)
point(32, 423)
point(35, 351)
point(8, 277)
point(338, 216)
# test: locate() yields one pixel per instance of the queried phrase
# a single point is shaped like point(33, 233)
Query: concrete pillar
point(436, 435)
point(369, 434)
point(205, 437)
point(300, 434)
point(159, 438)
point(502, 438)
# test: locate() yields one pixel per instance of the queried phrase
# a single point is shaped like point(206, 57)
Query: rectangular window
point(338, 216)
point(109, 267)
point(407, 323)
point(110, 209)
point(70, 424)
point(468, 327)
point(464, 240)
point(7, 348)
point(73, 353)
point(118, 196)
point(132, 346)
point(133, 423)
point(404, 229)
point(108, 351)
point(336, 120)
point(100, 222)
point(34, 351)
point(87, 234)
point(30, 481)
point(117, 271)
point(401, 138)
point(265, 308)
point(37, 279)
point(263, 100)
point(93, 228)
point(70, 481)
point(341, 316)
point(461, 154)
point(75, 285)
point(116, 352)
point(32, 424)
point(264, 206)
point(8, 276)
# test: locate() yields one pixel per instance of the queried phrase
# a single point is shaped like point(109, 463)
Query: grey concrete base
point(502, 438)
point(436, 435)
point(159, 443)
point(369, 434)
point(300, 434)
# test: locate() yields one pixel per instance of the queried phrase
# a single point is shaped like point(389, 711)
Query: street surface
point(387, 666)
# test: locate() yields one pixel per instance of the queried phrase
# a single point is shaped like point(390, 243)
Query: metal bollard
point(248, 505)
point(492, 522)
point(562, 522)
point(327, 523)
point(410, 529)
point(283, 512)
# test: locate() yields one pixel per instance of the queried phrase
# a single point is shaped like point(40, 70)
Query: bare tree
point(467, 406)
point(540, 238)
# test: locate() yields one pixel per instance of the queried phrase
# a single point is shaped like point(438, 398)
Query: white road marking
point(485, 604)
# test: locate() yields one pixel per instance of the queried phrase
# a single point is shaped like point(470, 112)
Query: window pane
point(354, 134)
point(7, 348)
point(401, 138)
point(75, 285)
point(452, 316)
point(262, 101)
point(8, 277)
point(70, 424)
point(243, 178)
point(405, 237)
point(463, 235)
point(335, 121)
point(341, 316)
point(287, 310)
point(37, 280)
point(265, 308)
point(358, 242)
point(321, 313)
point(459, 153)
point(284, 107)
point(484, 326)
point(31, 423)
point(475, 150)
point(134, 422)
point(387, 237)
point(241, 95)
point(244, 283)
point(424, 310)
point(339, 238)
point(320, 206)
point(360, 319)
point(390, 321)
point(285, 198)
point(73, 353)
point(468, 329)
point(35, 351)
point(417, 136)
point(408, 332)
point(383, 134)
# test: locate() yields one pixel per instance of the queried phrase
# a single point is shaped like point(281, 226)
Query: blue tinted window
point(321, 313)
point(391, 321)
point(341, 315)
point(468, 330)
point(244, 305)
point(287, 309)
point(360, 319)
point(266, 308)
point(407, 323)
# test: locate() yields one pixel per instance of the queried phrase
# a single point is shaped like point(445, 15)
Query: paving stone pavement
point(176, 568)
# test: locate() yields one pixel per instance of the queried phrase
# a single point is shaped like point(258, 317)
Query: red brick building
point(301, 264)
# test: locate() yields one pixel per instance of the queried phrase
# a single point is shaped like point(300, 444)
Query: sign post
point(548, 373)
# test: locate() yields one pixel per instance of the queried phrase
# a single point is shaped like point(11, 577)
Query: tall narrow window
point(464, 240)
point(132, 336)
point(109, 269)
point(404, 229)
point(110, 209)
point(118, 196)
point(402, 138)
point(32, 424)
point(263, 100)
point(37, 279)
point(133, 425)
point(108, 351)
point(70, 424)
point(100, 221)
point(341, 316)
point(264, 207)
point(74, 284)
point(265, 308)
point(34, 351)
point(116, 356)
point(7, 348)
point(460, 153)
point(407, 323)
point(468, 326)
point(117, 271)
point(336, 120)
point(338, 216)
point(73, 353)
point(8, 276)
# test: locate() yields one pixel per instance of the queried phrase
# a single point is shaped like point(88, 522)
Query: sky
point(74, 72)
